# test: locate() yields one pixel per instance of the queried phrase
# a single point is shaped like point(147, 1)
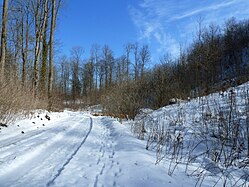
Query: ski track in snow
point(77, 150)
point(71, 156)
point(22, 156)
point(35, 158)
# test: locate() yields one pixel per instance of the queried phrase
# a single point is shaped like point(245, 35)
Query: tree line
point(216, 59)
point(27, 54)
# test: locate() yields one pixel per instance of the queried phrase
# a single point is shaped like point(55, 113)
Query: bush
point(125, 99)
point(15, 99)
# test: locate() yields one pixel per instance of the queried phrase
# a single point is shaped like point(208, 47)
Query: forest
point(33, 74)
point(58, 109)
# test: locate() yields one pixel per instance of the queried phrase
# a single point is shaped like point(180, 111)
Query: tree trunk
point(3, 39)
point(51, 54)
point(25, 43)
point(43, 71)
point(39, 30)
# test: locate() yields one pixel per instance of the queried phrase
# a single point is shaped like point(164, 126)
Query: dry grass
point(15, 100)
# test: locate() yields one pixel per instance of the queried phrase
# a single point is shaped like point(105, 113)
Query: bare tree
point(14, 42)
point(144, 59)
point(43, 69)
point(40, 10)
point(135, 48)
point(65, 76)
point(95, 57)
point(76, 55)
point(25, 8)
point(108, 61)
point(126, 64)
point(88, 75)
point(51, 51)
point(3, 38)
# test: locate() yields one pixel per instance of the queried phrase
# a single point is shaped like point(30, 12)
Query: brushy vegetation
point(216, 59)
point(212, 131)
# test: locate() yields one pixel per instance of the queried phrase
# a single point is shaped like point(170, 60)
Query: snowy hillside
point(207, 136)
point(203, 142)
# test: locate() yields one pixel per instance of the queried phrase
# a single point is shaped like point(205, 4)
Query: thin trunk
point(39, 29)
point(43, 71)
point(3, 39)
point(37, 48)
point(25, 47)
point(51, 54)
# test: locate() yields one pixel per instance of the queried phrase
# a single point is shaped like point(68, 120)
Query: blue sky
point(164, 25)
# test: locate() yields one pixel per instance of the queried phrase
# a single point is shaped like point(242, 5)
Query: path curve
point(51, 182)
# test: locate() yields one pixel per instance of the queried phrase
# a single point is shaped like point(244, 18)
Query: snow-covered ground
point(209, 135)
point(198, 143)
point(77, 149)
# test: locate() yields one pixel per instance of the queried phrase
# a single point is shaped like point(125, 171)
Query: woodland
point(33, 74)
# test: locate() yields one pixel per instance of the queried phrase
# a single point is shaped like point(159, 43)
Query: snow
point(188, 134)
point(77, 149)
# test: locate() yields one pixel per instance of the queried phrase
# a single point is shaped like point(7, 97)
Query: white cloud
point(151, 28)
point(166, 43)
point(167, 23)
point(204, 9)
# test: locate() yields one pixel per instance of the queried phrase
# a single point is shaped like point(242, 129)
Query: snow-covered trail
point(79, 150)
point(38, 157)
